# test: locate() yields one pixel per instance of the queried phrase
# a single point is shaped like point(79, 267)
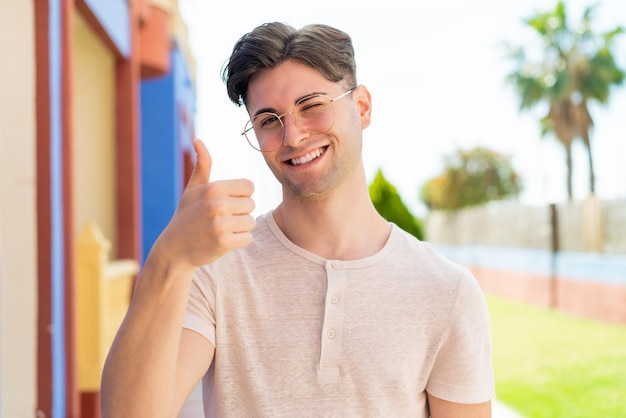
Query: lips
point(308, 157)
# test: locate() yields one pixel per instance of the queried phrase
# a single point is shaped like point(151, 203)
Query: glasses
point(315, 114)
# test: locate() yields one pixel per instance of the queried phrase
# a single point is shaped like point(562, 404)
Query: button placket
point(333, 315)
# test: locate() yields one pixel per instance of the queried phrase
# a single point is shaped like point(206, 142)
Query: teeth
point(309, 157)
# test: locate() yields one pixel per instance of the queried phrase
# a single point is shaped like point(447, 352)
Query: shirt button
point(336, 265)
point(331, 334)
point(333, 299)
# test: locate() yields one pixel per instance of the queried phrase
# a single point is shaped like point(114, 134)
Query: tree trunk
point(592, 176)
point(563, 125)
point(568, 161)
point(585, 123)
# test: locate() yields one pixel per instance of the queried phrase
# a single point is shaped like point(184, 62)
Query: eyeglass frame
point(281, 117)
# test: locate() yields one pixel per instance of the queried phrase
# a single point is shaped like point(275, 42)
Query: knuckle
point(221, 241)
point(218, 208)
point(216, 189)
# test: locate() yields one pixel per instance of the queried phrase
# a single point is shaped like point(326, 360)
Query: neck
point(344, 225)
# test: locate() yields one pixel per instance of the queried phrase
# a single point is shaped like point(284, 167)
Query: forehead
point(283, 85)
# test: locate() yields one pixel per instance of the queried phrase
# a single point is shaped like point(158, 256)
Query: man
point(319, 308)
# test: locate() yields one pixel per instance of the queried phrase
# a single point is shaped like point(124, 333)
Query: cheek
point(359, 120)
point(268, 160)
point(272, 164)
point(352, 127)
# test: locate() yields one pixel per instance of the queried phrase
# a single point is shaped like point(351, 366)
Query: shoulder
point(423, 257)
point(447, 283)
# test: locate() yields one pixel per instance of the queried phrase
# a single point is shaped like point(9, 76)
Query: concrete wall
point(509, 249)
point(615, 226)
point(18, 262)
point(590, 225)
point(93, 124)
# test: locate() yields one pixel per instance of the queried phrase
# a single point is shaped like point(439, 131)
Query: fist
point(212, 218)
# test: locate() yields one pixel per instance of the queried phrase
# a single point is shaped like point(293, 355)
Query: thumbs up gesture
point(212, 218)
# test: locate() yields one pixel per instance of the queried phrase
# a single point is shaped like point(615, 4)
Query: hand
point(211, 220)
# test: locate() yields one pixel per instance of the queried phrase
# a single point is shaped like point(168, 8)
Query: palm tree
point(576, 66)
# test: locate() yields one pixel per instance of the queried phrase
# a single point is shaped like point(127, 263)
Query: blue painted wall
point(165, 136)
point(57, 209)
point(602, 268)
point(185, 99)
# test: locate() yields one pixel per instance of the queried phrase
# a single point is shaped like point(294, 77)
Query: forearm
point(139, 377)
point(445, 409)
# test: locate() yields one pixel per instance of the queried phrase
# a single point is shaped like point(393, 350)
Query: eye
point(312, 104)
point(266, 121)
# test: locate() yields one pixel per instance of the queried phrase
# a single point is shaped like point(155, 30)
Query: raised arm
point(154, 364)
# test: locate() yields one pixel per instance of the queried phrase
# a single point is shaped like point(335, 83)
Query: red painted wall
point(587, 299)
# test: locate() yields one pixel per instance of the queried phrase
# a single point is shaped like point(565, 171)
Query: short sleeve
point(200, 315)
point(463, 370)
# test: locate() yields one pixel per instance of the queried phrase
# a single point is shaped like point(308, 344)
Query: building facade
point(71, 138)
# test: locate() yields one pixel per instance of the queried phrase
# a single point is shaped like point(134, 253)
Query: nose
point(293, 134)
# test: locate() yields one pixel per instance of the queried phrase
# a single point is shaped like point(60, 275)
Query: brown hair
point(321, 47)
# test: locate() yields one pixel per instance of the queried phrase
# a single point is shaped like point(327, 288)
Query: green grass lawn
point(550, 365)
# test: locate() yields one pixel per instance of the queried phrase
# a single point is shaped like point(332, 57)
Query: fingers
point(240, 235)
point(212, 218)
point(236, 188)
point(202, 170)
point(244, 206)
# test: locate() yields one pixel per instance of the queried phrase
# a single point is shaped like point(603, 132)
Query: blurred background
point(438, 74)
point(497, 135)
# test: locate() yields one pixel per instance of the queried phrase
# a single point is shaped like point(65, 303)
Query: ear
point(363, 100)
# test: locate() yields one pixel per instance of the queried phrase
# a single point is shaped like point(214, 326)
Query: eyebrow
point(298, 100)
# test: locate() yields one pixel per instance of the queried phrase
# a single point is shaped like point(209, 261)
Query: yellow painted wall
point(18, 239)
point(93, 123)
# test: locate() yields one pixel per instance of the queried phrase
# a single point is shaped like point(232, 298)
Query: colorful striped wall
point(87, 82)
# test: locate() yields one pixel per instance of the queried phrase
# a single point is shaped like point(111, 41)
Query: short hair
point(322, 47)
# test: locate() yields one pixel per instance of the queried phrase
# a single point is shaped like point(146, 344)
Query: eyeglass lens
point(315, 114)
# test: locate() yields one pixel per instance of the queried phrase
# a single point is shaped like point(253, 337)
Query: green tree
point(389, 204)
point(575, 66)
point(471, 177)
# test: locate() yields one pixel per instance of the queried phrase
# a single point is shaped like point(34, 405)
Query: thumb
point(202, 169)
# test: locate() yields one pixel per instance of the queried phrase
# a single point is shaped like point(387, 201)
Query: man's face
point(306, 163)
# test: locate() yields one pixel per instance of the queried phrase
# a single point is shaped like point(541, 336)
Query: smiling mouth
point(308, 157)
